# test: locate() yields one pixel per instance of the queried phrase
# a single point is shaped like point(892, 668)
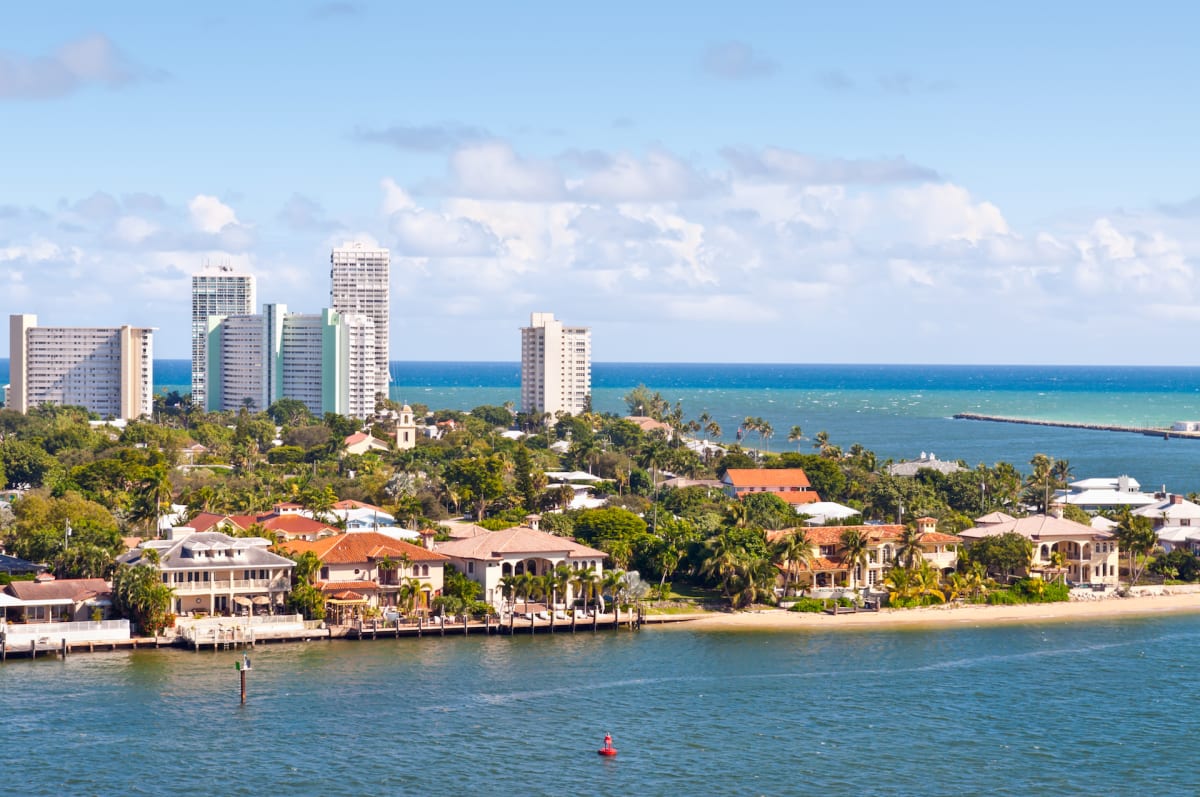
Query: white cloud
point(210, 214)
point(89, 60)
point(494, 171)
point(134, 229)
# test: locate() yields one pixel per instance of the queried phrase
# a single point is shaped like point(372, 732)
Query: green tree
point(855, 549)
point(1002, 554)
point(139, 594)
point(289, 412)
point(793, 552)
point(768, 511)
point(1136, 536)
point(24, 463)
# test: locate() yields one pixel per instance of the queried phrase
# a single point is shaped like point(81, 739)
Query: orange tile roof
point(832, 535)
point(361, 546)
point(937, 536)
point(742, 478)
point(286, 523)
point(793, 497)
point(337, 586)
point(350, 503)
point(823, 565)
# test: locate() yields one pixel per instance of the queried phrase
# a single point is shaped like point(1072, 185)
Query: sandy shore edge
point(940, 616)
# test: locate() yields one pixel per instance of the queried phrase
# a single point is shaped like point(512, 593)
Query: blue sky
point(851, 182)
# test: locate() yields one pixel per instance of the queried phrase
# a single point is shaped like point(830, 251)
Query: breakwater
point(1153, 431)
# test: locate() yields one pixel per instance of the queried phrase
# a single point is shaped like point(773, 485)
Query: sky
point(697, 182)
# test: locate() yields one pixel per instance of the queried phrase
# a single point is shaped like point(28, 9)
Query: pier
point(1152, 431)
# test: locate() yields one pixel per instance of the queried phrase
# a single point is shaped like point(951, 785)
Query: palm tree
point(409, 594)
point(908, 551)
point(793, 552)
point(585, 583)
point(765, 432)
point(562, 577)
point(855, 553)
point(927, 581)
point(795, 435)
point(612, 582)
point(821, 442)
point(753, 579)
point(899, 583)
point(720, 560)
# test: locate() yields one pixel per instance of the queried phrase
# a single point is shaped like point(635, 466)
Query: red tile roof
point(832, 535)
point(293, 525)
point(362, 546)
point(744, 478)
point(337, 586)
point(792, 496)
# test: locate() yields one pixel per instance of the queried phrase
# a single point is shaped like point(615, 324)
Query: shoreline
point(967, 616)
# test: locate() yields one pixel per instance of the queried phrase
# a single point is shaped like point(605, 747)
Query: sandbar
point(970, 615)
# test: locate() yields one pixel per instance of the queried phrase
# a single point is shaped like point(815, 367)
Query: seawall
point(1153, 431)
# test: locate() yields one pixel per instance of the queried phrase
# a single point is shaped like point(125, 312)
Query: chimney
point(427, 536)
point(1056, 510)
point(1176, 499)
point(533, 521)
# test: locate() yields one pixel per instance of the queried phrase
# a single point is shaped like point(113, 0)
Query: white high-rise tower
point(556, 366)
point(361, 283)
point(219, 291)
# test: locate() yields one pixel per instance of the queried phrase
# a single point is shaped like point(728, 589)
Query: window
point(470, 567)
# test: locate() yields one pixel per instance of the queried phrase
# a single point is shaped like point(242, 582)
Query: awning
point(347, 597)
point(241, 601)
point(261, 600)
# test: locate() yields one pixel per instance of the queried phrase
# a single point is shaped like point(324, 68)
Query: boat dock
point(1152, 431)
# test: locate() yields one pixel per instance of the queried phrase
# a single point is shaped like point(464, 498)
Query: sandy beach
point(942, 616)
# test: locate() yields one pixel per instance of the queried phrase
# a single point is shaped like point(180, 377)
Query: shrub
point(808, 605)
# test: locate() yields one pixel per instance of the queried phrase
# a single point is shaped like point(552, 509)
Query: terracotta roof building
point(790, 484)
point(487, 558)
point(376, 566)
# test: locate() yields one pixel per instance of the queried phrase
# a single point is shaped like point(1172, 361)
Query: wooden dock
point(1152, 431)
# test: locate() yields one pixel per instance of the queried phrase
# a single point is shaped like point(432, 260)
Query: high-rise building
point(107, 370)
point(325, 360)
point(360, 280)
point(556, 366)
point(221, 291)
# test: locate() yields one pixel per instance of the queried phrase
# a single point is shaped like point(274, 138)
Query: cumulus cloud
point(210, 214)
point(736, 60)
point(784, 165)
point(91, 60)
point(426, 233)
point(494, 171)
point(302, 213)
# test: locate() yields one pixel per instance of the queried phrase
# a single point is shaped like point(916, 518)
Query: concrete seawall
point(1152, 431)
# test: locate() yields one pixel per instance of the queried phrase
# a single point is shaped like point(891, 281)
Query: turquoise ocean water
point(896, 410)
point(1090, 708)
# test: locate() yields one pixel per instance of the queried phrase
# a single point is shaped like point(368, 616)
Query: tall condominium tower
point(556, 366)
point(361, 284)
point(326, 361)
point(107, 370)
point(220, 291)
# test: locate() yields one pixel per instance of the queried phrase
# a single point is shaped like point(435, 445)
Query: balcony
point(236, 585)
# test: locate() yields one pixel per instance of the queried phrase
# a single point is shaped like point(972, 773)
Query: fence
point(54, 633)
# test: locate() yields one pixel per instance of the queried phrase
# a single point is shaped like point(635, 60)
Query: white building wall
point(107, 370)
point(303, 370)
point(361, 283)
point(243, 367)
point(216, 291)
point(556, 366)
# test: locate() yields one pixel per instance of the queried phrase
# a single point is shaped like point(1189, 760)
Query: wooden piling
point(64, 648)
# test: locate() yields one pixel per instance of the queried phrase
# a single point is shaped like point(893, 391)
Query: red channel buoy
point(607, 749)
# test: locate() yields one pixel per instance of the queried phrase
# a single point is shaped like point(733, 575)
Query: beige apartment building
point(107, 370)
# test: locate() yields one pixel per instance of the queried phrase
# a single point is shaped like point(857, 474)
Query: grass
point(684, 592)
point(672, 609)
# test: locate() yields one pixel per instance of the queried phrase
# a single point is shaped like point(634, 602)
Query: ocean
point(898, 411)
point(1105, 707)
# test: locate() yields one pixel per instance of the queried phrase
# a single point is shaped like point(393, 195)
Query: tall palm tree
point(720, 560)
point(753, 578)
point(612, 582)
point(908, 551)
point(793, 552)
point(821, 442)
point(855, 553)
point(585, 583)
point(795, 435)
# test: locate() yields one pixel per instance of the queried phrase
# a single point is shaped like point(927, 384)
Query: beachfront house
point(1176, 521)
point(790, 484)
point(488, 557)
point(927, 461)
point(213, 573)
point(368, 569)
point(54, 600)
point(1091, 554)
point(829, 567)
point(1094, 495)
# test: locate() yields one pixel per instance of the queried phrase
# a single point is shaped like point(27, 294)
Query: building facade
point(556, 366)
point(360, 284)
point(326, 361)
point(216, 290)
point(107, 370)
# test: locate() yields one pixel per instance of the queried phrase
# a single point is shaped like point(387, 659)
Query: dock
point(1152, 431)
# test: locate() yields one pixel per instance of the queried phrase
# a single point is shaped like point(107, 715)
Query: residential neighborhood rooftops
point(363, 546)
point(516, 540)
point(741, 478)
point(60, 590)
point(1038, 527)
